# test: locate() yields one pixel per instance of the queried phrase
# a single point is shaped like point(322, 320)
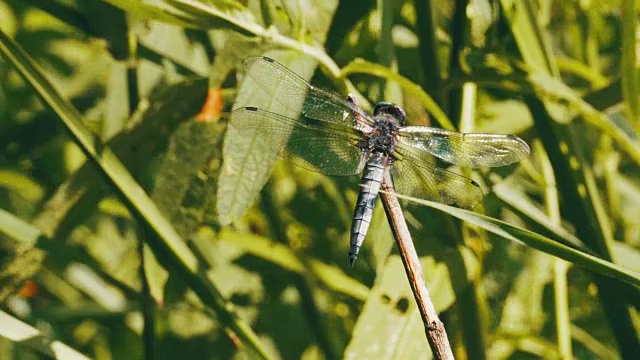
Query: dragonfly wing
point(472, 150)
point(297, 95)
point(320, 148)
point(415, 174)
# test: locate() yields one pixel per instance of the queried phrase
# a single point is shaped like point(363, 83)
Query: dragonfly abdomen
point(369, 188)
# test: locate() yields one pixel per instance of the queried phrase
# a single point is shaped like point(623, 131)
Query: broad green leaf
point(185, 182)
point(390, 326)
point(144, 10)
point(172, 104)
point(247, 162)
point(221, 14)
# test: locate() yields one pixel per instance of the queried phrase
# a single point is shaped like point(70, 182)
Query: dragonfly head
point(392, 110)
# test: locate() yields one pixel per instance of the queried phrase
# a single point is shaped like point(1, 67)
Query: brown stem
point(434, 328)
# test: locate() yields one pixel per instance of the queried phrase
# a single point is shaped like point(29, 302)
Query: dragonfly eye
point(390, 109)
point(381, 108)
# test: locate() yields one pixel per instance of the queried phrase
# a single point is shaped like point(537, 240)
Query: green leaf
point(536, 241)
point(360, 66)
point(630, 75)
point(523, 311)
point(221, 14)
point(390, 326)
point(332, 277)
point(20, 260)
point(564, 142)
point(165, 241)
point(247, 161)
point(563, 104)
point(185, 183)
point(22, 232)
point(517, 200)
point(143, 10)
point(171, 104)
point(627, 256)
point(24, 334)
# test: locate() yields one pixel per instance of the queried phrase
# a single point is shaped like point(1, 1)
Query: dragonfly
point(321, 131)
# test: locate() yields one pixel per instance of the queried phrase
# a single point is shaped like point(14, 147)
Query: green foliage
point(126, 231)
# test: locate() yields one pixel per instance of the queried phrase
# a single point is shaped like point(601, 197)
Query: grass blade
point(536, 241)
point(166, 242)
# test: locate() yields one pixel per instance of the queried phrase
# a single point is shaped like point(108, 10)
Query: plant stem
point(434, 328)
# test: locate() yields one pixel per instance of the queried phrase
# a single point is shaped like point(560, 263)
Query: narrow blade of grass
point(171, 249)
point(536, 241)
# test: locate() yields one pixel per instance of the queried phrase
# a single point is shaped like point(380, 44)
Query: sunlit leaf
point(23, 333)
point(247, 162)
point(165, 240)
point(281, 255)
point(389, 326)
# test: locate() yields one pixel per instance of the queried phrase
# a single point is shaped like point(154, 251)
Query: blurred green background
point(119, 238)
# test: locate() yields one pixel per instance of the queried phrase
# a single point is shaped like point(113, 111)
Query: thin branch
point(434, 328)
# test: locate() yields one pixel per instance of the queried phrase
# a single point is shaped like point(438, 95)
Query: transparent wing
point(321, 148)
point(472, 150)
point(295, 94)
point(415, 174)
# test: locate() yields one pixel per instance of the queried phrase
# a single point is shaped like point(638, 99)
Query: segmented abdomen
point(369, 188)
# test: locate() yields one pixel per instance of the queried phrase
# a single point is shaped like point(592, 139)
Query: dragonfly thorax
point(384, 137)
